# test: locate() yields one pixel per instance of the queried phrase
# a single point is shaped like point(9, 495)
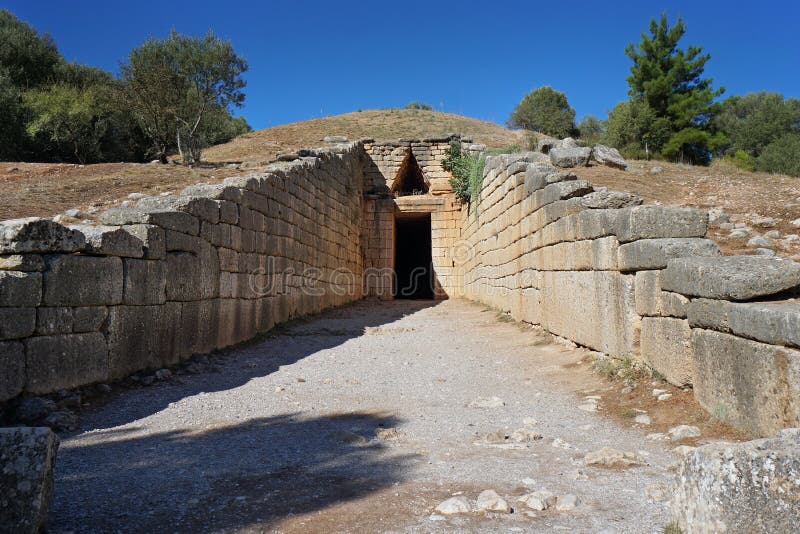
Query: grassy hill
point(262, 145)
point(28, 189)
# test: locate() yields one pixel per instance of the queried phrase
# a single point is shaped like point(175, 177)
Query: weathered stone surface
point(490, 501)
point(143, 337)
point(51, 321)
point(545, 145)
point(650, 222)
point(593, 308)
point(608, 457)
point(610, 200)
point(751, 385)
point(730, 277)
point(652, 302)
point(596, 254)
point(145, 281)
point(22, 262)
point(27, 459)
point(88, 319)
point(566, 157)
point(773, 322)
point(65, 361)
point(608, 156)
point(454, 505)
point(111, 241)
point(192, 276)
point(17, 323)
point(740, 487)
point(152, 238)
point(666, 347)
point(35, 234)
point(12, 363)
point(82, 281)
point(164, 218)
point(20, 289)
point(654, 253)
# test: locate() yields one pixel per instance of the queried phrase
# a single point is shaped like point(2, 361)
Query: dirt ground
point(364, 419)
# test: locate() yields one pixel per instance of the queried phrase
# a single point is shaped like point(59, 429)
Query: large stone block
point(152, 238)
point(145, 281)
point(34, 234)
point(593, 308)
point(651, 222)
point(17, 323)
point(753, 386)
point(740, 487)
point(20, 288)
point(730, 277)
point(82, 281)
point(666, 346)
point(111, 241)
point(143, 337)
point(192, 276)
point(164, 218)
point(652, 302)
point(27, 460)
point(773, 322)
point(50, 321)
point(597, 254)
point(88, 319)
point(198, 329)
point(570, 156)
point(655, 253)
point(22, 262)
point(12, 363)
point(65, 361)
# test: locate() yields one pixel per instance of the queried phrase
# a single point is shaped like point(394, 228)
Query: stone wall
point(178, 275)
point(640, 282)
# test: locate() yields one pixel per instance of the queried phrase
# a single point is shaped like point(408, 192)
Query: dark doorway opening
point(413, 261)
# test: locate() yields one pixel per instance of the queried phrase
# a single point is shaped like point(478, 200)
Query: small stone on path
point(538, 500)
point(454, 505)
point(490, 501)
point(487, 402)
point(567, 502)
point(608, 457)
point(680, 432)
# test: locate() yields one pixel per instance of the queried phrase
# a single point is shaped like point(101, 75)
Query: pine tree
point(671, 81)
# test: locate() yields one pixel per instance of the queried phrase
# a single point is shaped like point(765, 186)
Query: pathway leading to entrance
point(363, 419)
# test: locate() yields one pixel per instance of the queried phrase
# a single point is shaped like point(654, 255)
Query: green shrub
point(467, 172)
point(590, 128)
point(414, 104)
point(781, 156)
point(743, 160)
point(544, 110)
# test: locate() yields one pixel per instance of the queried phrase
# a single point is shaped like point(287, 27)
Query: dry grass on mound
point(28, 189)
point(743, 195)
point(380, 124)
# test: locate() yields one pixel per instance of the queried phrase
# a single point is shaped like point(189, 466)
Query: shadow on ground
point(225, 478)
point(283, 345)
point(227, 474)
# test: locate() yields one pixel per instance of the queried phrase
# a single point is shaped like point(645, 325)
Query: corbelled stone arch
point(409, 179)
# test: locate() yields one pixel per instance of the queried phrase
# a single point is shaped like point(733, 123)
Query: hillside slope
point(262, 145)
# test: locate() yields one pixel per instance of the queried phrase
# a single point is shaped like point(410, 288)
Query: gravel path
point(283, 436)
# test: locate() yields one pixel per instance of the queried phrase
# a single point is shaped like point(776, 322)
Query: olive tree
point(172, 84)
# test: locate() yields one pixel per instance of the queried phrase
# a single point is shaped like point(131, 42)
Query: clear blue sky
point(309, 59)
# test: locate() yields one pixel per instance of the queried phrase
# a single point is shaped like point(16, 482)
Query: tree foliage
point(781, 156)
point(28, 58)
point(755, 120)
point(670, 81)
point(635, 129)
point(544, 110)
point(68, 118)
point(172, 84)
point(590, 129)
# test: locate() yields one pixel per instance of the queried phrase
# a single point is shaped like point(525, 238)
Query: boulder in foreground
point(741, 487)
point(27, 458)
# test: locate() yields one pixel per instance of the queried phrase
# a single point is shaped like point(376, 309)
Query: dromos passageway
point(362, 419)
